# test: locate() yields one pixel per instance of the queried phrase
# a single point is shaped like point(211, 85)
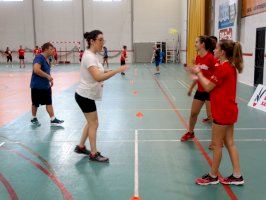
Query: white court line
point(177, 140)
point(182, 84)
point(185, 83)
point(136, 178)
point(134, 109)
point(2, 144)
point(177, 129)
point(167, 89)
point(138, 141)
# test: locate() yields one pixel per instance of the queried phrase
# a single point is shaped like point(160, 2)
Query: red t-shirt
point(36, 51)
point(207, 63)
point(21, 52)
point(123, 55)
point(81, 54)
point(223, 97)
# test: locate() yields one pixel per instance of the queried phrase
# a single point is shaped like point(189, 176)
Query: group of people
point(123, 57)
point(21, 55)
point(214, 72)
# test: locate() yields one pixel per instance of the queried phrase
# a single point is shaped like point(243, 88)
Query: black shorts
point(105, 57)
point(41, 97)
point(21, 57)
point(202, 96)
point(85, 104)
point(123, 62)
point(9, 58)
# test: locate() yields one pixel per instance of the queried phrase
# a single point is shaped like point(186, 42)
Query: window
point(57, 0)
point(11, 0)
point(106, 0)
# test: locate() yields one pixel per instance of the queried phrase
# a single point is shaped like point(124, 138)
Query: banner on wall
point(253, 7)
point(258, 100)
point(225, 34)
point(227, 15)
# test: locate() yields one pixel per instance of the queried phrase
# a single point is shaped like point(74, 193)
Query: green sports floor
point(142, 118)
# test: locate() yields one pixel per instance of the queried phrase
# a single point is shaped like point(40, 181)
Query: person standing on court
point(21, 54)
point(222, 86)
point(157, 57)
point(89, 90)
point(8, 54)
point(105, 56)
point(123, 58)
point(41, 83)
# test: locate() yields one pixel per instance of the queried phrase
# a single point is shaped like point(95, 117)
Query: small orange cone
point(135, 198)
point(135, 92)
point(139, 114)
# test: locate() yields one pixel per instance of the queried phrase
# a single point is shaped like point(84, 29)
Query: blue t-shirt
point(105, 53)
point(38, 82)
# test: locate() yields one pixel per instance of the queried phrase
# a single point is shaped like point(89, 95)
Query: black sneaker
point(123, 73)
point(98, 158)
point(231, 180)
point(35, 122)
point(83, 150)
point(56, 121)
point(207, 180)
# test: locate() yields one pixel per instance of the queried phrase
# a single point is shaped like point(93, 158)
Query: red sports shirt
point(123, 55)
point(207, 63)
point(21, 52)
point(223, 97)
point(36, 51)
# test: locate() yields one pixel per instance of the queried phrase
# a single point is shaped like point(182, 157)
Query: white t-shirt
point(88, 86)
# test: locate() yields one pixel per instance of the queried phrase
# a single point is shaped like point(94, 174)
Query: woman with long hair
point(222, 87)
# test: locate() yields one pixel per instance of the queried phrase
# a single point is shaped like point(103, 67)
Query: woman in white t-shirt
point(90, 88)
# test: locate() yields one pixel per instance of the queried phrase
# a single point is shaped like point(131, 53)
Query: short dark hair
point(212, 37)
point(124, 47)
point(91, 36)
point(46, 46)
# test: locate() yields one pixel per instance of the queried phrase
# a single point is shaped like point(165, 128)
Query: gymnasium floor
point(142, 118)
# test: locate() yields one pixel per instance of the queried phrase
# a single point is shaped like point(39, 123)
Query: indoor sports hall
point(97, 102)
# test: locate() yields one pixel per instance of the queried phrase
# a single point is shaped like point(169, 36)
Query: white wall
point(216, 21)
point(114, 19)
point(16, 26)
point(183, 31)
point(248, 40)
point(153, 19)
point(62, 21)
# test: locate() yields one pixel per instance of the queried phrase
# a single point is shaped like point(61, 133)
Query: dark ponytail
point(91, 36)
point(233, 52)
point(207, 42)
point(213, 43)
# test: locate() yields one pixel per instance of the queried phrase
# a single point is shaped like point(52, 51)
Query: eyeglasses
point(101, 40)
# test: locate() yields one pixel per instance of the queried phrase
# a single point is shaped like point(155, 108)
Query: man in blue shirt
point(41, 83)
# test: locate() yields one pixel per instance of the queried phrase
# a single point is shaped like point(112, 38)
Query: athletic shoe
point(207, 180)
point(82, 150)
point(35, 122)
point(56, 121)
point(187, 136)
point(123, 73)
point(231, 180)
point(98, 157)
